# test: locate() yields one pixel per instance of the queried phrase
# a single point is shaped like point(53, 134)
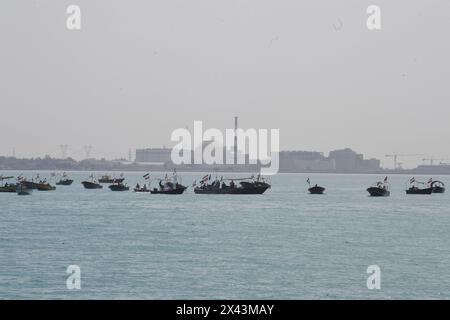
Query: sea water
point(285, 244)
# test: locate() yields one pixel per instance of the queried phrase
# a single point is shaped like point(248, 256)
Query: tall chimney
point(235, 139)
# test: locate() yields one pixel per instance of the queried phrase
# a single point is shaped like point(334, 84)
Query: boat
point(380, 189)
point(438, 186)
point(64, 181)
point(92, 184)
point(23, 190)
point(315, 189)
point(138, 188)
point(119, 187)
point(7, 187)
point(109, 179)
point(413, 187)
point(169, 186)
point(44, 186)
point(246, 186)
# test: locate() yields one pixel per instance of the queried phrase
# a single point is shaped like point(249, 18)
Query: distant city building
point(347, 160)
point(305, 161)
point(153, 155)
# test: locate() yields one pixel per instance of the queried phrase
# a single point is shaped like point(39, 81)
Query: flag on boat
point(205, 178)
point(308, 181)
point(412, 180)
point(146, 176)
point(431, 180)
point(385, 179)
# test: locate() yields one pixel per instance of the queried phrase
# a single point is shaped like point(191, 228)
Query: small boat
point(44, 186)
point(93, 184)
point(413, 187)
point(64, 181)
point(138, 188)
point(169, 186)
point(7, 187)
point(109, 179)
point(380, 189)
point(23, 190)
point(438, 186)
point(119, 187)
point(315, 189)
point(246, 186)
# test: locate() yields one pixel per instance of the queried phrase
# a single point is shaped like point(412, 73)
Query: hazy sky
point(137, 70)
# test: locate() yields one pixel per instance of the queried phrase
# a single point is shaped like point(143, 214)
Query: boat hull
point(64, 182)
point(10, 189)
point(44, 187)
point(91, 185)
point(316, 190)
point(173, 191)
point(438, 190)
point(419, 191)
point(378, 192)
point(228, 190)
point(118, 188)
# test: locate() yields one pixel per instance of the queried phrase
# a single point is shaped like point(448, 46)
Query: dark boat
point(64, 181)
point(179, 189)
point(119, 187)
point(414, 189)
point(170, 186)
point(7, 187)
point(438, 186)
point(91, 185)
point(380, 189)
point(246, 186)
point(109, 179)
point(315, 189)
point(23, 190)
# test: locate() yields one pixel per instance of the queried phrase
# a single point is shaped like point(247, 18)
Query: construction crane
point(396, 155)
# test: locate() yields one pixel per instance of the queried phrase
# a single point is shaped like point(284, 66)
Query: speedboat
point(416, 187)
point(169, 186)
point(64, 181)
point(92, 184)
point(119, 187)
point(380, 189)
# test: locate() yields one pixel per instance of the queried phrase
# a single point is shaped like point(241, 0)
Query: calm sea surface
point(284, 244)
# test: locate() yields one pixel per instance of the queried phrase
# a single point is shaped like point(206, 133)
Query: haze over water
point(283, 244)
